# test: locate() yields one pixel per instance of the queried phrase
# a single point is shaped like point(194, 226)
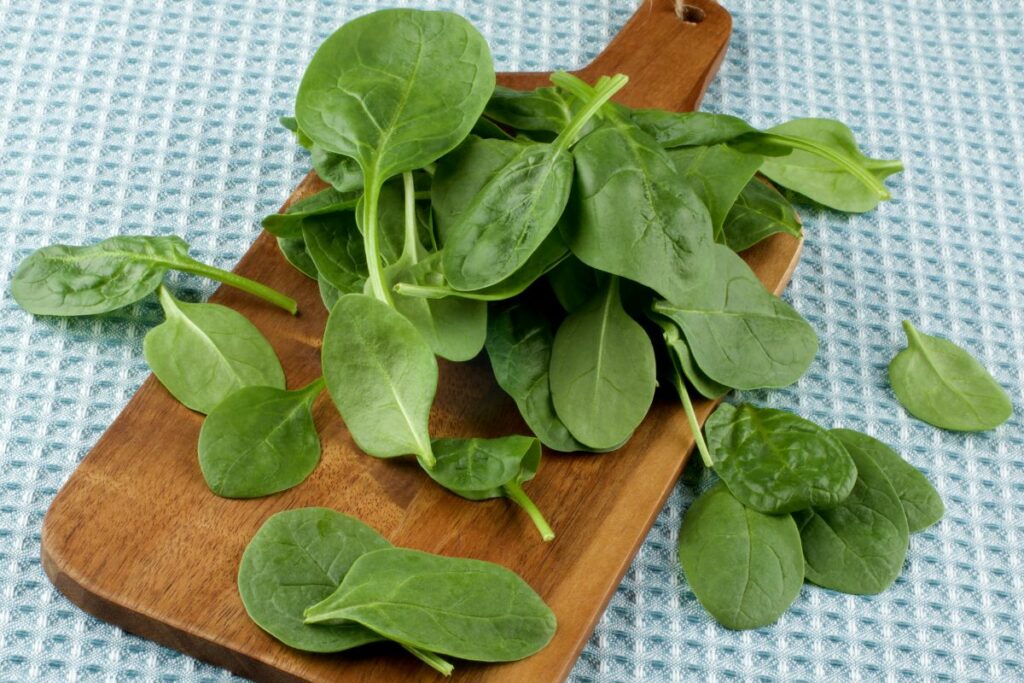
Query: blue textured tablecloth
point(160, 117)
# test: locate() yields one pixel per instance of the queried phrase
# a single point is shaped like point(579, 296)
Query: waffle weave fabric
point(160, 117)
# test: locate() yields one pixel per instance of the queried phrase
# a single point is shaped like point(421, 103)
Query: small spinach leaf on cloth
point(296, 559)
point(260, 440)
point(479, 469)
point(940, 383)
point(777, 462)
point(921, 502)
point(740, 334)
point(759, 212)
point(382, 376)
point(203, 352)
point(487, 613)
point(745, 567)
point(858, 546)
point(602, 371)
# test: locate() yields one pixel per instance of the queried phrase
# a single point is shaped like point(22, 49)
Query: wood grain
point(137, 539)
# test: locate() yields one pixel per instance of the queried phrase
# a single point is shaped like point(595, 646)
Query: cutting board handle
point(666, 43)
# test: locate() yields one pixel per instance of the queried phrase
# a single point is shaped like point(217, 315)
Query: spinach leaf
point(575, 283)
point(940, 383)
point(717, 174)
point(858, 546)
point(203, 352)
point(464, 608)
point(336, 248)
point(260, 440)
point(632, 217)
point(485, 128)
point(479, 469)
point(337, 170)
point(745, 567)
point(395, 90)
point(776, 462)
point(289, 223)
point(329, 294)
point(519, 341)
point(602, 371)
point(294, 251)
point(289, 123)
point(514, 208)
point(70, 281)
point(742, 335)
point(681, 356)
point(759, 211)
point(297, 558)
point(382, 376)
point(825, 165)
point(689, 128)
point(921, 502)
point(543, 109)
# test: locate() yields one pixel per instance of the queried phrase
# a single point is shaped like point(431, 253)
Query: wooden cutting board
point(135, 537)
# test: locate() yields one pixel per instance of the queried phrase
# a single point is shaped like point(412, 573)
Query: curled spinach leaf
point(921, 502)
point(405, 595)
point(742, 335)
point(260, 440)
point(745, 567)
point(294, 251)
point(940, 383)
point(70, 281)
point(602, 371)
point(776, 462)
point(858, 546)
point(479, 469)
point(759, 212)
point(203, 352)
point(337, 170)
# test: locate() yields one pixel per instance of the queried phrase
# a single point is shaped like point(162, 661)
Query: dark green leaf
point(575, 283)
point(745, 567)
point(544, 109)
point(681, 356)
point(337, 170)
point(336, 248)
point(717, 174)
point(294, 251)
point(689, 129)
point(759, 211)
point(940, 383)
point(289, 224)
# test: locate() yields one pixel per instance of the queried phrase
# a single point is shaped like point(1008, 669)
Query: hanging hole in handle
point(690, 14)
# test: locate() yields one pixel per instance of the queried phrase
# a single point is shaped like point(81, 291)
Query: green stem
point(913, 338)
point(516, 493)
point(422, 291)
point(313, 389)
point(856, 170)
point(410, 250)
point(237, 281)
point(601, 94)
point(691, 417)
point(371, 237)
point(431, 659)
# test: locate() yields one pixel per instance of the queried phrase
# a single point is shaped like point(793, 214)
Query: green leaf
point(745, 567)
point(776, 462)
point(717, 174)
point(633, 217)
point(682, 357)
point(858, 546)
point(260, 440)
point(742, 335)
point(289, 224)
point(204, 352)
point(813, 168)
point(575, 283)
point(294, 251)
point(329, 294)
point(519, 341)
point(544, 109)
point(336, 248)
point(488, 613)
point(337, 170)
point(921, 502)
point(602, 371)
point(940, 383)
point(296, 559)
point(479, 469)
point(759, 212)
point(382, 376)
point(395, 89)
point(689, 129)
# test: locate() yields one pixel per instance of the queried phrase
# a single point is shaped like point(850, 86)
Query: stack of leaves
point(321, 581)
point(795, 502)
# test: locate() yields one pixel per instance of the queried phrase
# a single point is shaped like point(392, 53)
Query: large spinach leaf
point(940, 383)
point(464, 608)
point(203, 352)
point(776, 462)
point(742, 335)
point(745, 567)
point(602, 371)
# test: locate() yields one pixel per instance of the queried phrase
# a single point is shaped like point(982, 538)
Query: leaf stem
point(601, 94)
point(516, 493)
point(237, 281)
point(423, 291)
point(856, 170)
point(691, 417)
point(371, 237)
point(410, 250)
point(431, 659)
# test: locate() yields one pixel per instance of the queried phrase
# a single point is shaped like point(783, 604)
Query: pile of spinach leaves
point(587, 248)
